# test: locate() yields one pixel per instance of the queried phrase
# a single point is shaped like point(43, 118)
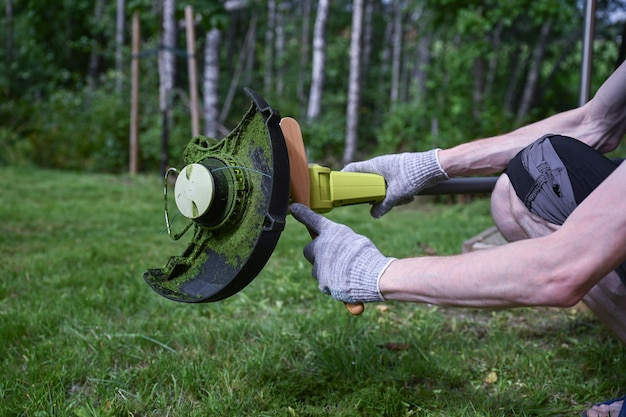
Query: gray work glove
point(346, 265)
point(406, 174)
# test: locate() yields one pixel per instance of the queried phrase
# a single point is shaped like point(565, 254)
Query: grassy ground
point(83, 335)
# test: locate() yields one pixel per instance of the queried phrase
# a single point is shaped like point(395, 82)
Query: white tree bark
point(166, 76)
point(354, 84)
point(396, 54)
point(232, 5)
point(319, 61)
point(304, 49)
point(166, 54)
point(367, 33)
point(211, 83)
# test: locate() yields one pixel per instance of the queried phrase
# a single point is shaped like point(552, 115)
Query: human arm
point(600, 123)
point(555, 270)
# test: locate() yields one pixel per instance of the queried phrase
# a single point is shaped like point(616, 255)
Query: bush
point(15, 150)
point(86, 131)
point(80, 131)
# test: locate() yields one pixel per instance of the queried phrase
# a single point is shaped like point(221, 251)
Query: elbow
point(563, 291)
point(568, 299)
point(562, 297)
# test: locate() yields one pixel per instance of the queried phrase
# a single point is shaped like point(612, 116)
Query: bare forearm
point(554, 270)
point(601, 124)
point(486, 278)
point(491, 155)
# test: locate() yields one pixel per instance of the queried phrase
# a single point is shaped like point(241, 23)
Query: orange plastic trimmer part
point(299, 181)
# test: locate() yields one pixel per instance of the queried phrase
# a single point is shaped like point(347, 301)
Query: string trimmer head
point(235, 192)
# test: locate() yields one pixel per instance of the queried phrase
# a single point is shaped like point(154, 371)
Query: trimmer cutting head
point(236, 193)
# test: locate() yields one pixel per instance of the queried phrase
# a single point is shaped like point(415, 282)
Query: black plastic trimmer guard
point(204, 272)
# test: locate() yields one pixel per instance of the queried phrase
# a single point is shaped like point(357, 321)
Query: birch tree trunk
point(532, 78)
point(166, 75)
point(396, 51)
point(319, 57)
point(368, 11)
point(211, 75)
point(119, 45)
point(354, 84)
point(211, 83)
point(304, 49)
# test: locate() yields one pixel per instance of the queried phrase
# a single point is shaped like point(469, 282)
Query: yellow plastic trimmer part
point(330, 189)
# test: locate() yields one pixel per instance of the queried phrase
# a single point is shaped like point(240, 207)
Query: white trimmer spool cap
point(194, 191)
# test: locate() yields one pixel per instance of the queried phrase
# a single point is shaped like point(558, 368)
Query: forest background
point(363, 77)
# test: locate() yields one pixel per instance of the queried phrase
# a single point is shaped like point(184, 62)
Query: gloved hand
point(406, 175)
point(346, 265)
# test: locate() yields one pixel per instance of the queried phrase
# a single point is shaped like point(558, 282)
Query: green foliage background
point(54, 112)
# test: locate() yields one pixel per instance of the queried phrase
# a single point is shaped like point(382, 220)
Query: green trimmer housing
point(235, 192)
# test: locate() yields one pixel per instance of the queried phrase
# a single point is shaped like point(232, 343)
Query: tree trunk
point(566, 50)
point(166, 75)
point(190, 29)
point(367, 33)
point(319, 61)
point(396, 54)
point(249, 68)
point(305, 39)
point(495, 41)
point(533, 74)
point(245, 54)
point(119, 46)
point(211, 83)
point(354, 84)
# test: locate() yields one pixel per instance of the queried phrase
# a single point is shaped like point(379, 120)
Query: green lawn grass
point(83, 335)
